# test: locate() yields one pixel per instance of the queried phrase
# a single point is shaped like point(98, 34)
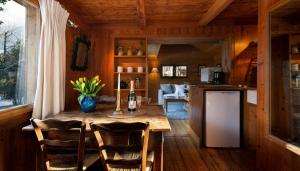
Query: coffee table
point(173, 99)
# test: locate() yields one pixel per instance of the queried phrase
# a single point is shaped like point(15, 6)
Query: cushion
point(89, 160)
point(179, 90)
point(173, 95)
point(166, 88)
point(129, 155)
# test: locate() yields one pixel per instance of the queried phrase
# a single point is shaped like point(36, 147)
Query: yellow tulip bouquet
point(87, 88)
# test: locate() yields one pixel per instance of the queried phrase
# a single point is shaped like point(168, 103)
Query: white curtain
point(50, 91)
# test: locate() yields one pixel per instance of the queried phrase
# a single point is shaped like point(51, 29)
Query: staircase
point(251, 74)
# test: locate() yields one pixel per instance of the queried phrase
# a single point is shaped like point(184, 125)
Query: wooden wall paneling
point(3, 148)
point(196, 111)
point(272, 154)
point(243, 36)
point(100, 63)
point(280, 80)
point(70, 94)
point(103, 56)
point(250, 126)
point(11, 139)
point(241, 64)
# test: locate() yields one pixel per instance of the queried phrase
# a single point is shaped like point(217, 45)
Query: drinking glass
point(139, 102)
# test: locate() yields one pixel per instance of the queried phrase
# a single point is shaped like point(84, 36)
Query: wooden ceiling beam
point(141, 12)
point(214, 11)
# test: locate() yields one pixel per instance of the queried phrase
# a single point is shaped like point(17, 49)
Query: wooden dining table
point(154, 114)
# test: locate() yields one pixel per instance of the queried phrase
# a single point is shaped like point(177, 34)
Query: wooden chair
point(132, 154)
point(62, 145)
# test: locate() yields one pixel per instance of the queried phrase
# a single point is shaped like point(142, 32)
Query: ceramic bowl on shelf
point(129, 69)
point(140, 69)
point(120, 69)
point(295, 67)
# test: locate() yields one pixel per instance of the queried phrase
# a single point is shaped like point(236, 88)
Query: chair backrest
point(108, 150)
point(104, 99)
point(61, 141)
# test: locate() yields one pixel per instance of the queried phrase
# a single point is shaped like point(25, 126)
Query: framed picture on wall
point(167, 71)
point(181, 71)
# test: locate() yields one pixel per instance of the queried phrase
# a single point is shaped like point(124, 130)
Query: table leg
point(158, 152)
point(166, 105)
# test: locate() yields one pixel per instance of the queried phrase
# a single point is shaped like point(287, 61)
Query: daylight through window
point(19, 30)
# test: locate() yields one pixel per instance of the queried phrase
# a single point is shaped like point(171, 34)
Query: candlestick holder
point(118, 110)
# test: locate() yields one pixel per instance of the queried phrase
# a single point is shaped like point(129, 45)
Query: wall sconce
point(154, 70)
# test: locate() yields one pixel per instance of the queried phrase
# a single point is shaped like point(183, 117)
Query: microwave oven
point(207, 74)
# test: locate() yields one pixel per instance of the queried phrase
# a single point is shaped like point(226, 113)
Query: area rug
point(176, 111)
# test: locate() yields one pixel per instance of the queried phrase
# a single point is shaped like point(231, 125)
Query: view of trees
point(10, 46)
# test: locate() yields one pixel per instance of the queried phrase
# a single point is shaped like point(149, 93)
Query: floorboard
point(182, 154)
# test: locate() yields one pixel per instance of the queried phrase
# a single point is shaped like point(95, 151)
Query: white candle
point(118, 81)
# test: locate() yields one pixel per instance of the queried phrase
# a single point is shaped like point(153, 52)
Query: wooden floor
point(181, 153)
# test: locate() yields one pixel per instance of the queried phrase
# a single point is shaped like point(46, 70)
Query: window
point(284, 77)
point(19, 31)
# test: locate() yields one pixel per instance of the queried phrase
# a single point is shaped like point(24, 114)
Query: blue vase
point(88, 104)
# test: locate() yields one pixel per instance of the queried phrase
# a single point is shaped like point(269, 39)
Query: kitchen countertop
point(219, 87)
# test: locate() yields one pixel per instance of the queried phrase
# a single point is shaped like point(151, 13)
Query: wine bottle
point(131, 98)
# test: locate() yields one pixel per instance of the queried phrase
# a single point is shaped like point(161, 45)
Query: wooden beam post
point(141, 12)
point(214, 11)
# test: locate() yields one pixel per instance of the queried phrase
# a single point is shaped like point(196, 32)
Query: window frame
point(10, 112)
point(267, 82)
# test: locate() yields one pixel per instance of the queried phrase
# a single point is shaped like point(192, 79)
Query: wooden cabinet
point(197, 111)
point(131, 54)
point(250, 125)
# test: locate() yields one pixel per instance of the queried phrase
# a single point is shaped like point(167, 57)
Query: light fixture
point(154, 70)
point(71, 24)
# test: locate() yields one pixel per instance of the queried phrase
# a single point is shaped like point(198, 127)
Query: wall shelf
point(142, 57)
point(131, 73)
point(133, 61)
point(129, 89)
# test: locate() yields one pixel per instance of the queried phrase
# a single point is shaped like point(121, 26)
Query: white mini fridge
point(222, 119)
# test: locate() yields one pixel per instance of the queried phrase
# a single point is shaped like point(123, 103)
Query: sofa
point(171, 91)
